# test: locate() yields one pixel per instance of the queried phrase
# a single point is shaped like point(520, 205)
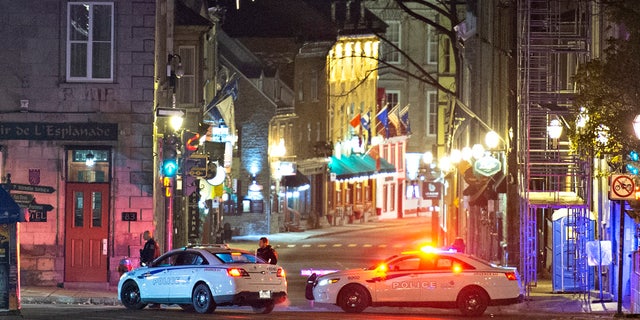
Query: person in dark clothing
point(150, 250)
point(266, 252)
point(458, 245)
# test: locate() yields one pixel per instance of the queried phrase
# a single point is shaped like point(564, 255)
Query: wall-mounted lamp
point(24, 105)
point(636, 126)
point(179, 70)
point(90, 159)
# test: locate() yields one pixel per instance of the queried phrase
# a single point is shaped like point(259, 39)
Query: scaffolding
point(553, 39)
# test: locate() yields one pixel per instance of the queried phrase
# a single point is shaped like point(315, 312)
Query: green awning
point(358, 165)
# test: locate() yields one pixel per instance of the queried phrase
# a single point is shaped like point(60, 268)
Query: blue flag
point(404, 119)
point(383, 117)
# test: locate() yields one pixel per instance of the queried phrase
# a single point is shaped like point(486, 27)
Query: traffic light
point(633, 165)
point(170, 155)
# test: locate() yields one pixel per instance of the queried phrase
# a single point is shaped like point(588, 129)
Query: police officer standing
point(266, 252)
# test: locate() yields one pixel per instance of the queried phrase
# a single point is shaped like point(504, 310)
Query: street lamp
point(554, 130)
point(492, 139)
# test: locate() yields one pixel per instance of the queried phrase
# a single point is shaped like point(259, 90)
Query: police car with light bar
point(201, 277)
point(423, 278)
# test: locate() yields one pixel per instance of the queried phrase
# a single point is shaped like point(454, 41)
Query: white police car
point(424, 278)
point(200, 278)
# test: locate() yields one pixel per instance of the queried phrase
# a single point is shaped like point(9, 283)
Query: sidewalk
point(540, 300)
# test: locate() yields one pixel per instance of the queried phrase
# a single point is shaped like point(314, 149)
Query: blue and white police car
point(201, 277)
point(422, 278)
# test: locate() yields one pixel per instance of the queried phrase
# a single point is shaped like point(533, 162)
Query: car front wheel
point(263, 307)
point(353, 298)
point(202, 300)
point(130, 296)
point(472, 301)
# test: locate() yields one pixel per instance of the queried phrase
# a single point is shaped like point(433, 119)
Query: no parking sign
point(622, 187)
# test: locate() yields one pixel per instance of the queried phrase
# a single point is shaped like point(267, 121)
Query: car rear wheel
point(202, 300)
point(130, 296)
point(472, 301)
point(263, 307)
point(353, 298)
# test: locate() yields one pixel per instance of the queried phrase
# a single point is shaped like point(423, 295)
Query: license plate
point(265, 294)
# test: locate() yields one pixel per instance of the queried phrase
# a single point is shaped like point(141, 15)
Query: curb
point(71, 300)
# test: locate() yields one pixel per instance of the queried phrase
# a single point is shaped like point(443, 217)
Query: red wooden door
point(86, 221)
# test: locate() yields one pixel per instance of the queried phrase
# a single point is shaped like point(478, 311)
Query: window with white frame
point(393, 97)
point(389, 53)
point(432, 45)
point(432, 113)
point(186, 85)
point(90, 41)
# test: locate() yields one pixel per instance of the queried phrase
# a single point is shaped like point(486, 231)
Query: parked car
point(201, 277)
point(422, 278)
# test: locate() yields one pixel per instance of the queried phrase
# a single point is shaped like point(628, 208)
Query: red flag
point(355, 122)
point(375, 154)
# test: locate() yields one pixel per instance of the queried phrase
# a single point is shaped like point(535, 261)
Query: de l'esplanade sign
point(85, 131)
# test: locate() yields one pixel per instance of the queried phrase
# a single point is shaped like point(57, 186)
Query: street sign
point(487, 166)
point(197, 164)
point(37, 216)
point(36, 206)
point(22, 197)
point(622, 187)
point(27, 188)
point(171, 112)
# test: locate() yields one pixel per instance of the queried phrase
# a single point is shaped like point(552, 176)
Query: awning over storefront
point(295, 181)
point(10, 211)
point(357, 165)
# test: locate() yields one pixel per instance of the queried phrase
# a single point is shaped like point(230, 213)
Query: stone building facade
point(79, 86)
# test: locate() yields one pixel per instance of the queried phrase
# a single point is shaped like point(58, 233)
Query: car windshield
point(236, 257)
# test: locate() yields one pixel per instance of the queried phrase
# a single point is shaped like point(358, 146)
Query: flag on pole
point(374, 153)
point(355, 121)
point(393, 116)
point(383, 117)
point(225, 107)
point(365, 123)
point(404, 119)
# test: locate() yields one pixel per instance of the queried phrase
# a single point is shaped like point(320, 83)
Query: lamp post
point(276, 153)
point(554, 130)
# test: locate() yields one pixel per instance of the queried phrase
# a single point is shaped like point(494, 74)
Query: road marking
point(291, 246)
point(351, 245)
point(367, 246)
point(306, 245)
point(337, 245)
point(322, 245)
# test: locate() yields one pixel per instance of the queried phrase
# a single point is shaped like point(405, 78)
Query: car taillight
point(511, 276)
point(280, 273)
point(237, 272)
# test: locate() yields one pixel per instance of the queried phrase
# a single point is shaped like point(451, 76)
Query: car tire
point(353, 298)
point(472, 301)
point(130, 296)
point(264, 307)
point(202, 299)
point(187, 307)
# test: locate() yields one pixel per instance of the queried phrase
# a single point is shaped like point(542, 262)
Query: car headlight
point(325, 282)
